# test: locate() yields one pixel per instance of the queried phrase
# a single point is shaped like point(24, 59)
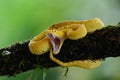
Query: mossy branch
point(98, 45)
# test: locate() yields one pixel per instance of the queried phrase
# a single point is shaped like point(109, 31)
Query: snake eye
point(56, 42)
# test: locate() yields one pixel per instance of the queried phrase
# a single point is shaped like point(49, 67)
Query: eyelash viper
point(53, 38)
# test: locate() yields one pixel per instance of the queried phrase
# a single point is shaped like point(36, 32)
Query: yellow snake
point(53, 38)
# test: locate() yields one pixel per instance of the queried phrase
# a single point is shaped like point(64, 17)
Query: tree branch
point(98, 45)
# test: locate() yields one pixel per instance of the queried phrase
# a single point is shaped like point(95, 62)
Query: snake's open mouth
point(56, 42)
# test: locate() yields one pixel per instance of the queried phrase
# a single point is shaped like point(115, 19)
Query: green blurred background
point(23, 19)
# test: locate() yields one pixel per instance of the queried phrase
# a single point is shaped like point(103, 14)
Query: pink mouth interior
point(55, 41)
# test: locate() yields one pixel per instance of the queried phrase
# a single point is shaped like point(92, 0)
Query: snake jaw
point(56, 42)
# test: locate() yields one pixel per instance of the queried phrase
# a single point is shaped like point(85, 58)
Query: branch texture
point(98, 45)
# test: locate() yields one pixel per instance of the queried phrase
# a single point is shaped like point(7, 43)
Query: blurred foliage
point(22, 19)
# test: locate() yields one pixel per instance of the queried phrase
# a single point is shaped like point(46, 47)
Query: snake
point(53, 38)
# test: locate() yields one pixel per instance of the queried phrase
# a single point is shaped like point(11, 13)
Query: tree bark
point(97, 45)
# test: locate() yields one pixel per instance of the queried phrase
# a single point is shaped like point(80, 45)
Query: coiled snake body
point(53, 38)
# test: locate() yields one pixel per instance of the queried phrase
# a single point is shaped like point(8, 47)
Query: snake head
point(56, 38)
